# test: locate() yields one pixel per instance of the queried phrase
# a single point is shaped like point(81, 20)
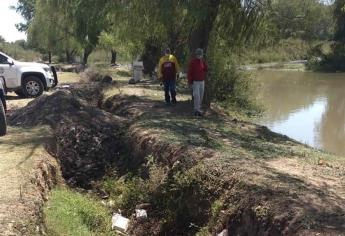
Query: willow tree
point(26, 8)
point(50, 32)
point(42, 33)
point(187, 25)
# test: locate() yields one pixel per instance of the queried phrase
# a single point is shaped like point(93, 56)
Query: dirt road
point(24, 168)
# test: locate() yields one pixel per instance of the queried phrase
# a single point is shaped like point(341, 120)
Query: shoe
point(174, 103)
point(197, 113)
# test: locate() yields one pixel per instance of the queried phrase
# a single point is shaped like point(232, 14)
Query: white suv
point(26, 79)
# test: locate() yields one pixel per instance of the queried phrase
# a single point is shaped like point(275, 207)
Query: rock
point(145, 206)
point(141, 214)
point(119, 223)
point(107, 79)
point(132, 81)
point(223, 233)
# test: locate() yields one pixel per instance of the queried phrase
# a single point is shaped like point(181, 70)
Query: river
point(308, 107)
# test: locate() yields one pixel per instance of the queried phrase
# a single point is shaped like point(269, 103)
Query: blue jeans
point(170, 90)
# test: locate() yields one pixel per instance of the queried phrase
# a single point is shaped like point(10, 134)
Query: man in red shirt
point(196, 77)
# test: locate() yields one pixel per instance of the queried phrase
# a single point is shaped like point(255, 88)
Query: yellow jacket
point(166, 58)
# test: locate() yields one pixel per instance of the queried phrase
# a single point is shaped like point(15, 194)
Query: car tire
point(32, 87)
point(3, 124)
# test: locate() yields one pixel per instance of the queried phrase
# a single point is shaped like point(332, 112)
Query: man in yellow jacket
point(167, 71)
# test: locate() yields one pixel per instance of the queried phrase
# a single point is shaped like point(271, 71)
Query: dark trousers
point(2, 98)
point(170, 90)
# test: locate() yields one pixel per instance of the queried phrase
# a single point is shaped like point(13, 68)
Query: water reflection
point(309, 107)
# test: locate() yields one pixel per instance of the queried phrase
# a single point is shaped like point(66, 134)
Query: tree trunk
point(68, 56)
point(113, 57)
point(87, 52)
point(200, 37)
point(50, 57)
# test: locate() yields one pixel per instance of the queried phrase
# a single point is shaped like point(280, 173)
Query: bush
point(126, 192)
point(329, 62)
point(284, 50)
point(230, 87)
point(94, 74)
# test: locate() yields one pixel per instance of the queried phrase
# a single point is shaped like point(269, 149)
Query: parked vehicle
point(26, 79)
point(3, 124)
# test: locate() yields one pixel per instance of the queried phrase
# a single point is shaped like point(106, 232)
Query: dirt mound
point(79, 101)
point(50, 110)
point(88, 139)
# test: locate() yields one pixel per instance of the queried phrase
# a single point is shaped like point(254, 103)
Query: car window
point(3, 59)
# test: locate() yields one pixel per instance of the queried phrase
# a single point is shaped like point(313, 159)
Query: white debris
point(111, 203)
point(119, 223)
point(223, 233)
point(138, 67)
point(140, 214)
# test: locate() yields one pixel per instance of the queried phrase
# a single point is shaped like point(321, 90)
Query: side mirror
point(10, 62)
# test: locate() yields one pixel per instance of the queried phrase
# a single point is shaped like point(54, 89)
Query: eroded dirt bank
point(199, 175)
point(27, 173)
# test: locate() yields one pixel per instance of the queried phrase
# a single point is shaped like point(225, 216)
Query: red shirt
point(197, 70)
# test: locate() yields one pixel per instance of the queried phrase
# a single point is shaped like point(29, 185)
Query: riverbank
point(298, 65)
point(194, 176)
point(240, 173)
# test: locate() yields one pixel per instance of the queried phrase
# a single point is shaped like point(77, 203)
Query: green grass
point(19, 53)
point(70, 213)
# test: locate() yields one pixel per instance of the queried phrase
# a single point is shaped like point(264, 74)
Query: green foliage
point(226, 84)
point(19, 53)
point(126, 192)
point(304, 19)
point(70, 213)
point(329, 62)
point(50, 31)
point(282, 51)
point(333, 61)
point(26, 8)
point(339, 15)
point(180, 196)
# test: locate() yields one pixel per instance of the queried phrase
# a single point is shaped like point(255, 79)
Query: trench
point(170, 186)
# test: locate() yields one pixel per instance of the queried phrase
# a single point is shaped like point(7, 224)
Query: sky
point(8, 20)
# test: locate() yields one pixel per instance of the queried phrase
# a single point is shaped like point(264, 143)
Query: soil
point(27, 173)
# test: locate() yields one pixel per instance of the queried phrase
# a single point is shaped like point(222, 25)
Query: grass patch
point(68, 77)
point(124, 73)
point(285, 50)
point(70, 213)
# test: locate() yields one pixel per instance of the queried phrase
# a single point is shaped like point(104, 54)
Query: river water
point(308, 107)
